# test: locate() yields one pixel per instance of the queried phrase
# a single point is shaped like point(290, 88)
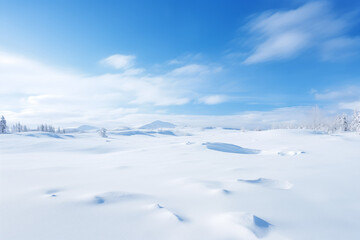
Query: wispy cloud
point(191, 69)
point(186, 59)
point(214, 99)
point(285, 34)
point(350, 105)
point(342, 98)
point(339, 94)
point(119, 61)
point(34, 90)
point(340, 48)
point(45, 97)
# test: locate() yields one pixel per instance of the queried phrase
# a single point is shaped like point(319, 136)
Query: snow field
point(162, 186)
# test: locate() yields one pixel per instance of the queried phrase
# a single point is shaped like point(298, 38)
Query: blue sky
point(79, 59)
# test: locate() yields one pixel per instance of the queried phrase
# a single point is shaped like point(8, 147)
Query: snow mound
point(114, 197)
point(43, 134)
point(163, 132)
point(166, 213)
point(132, 133)
point(230, 128)
point(222, 191)
point(290, 153)
point(258, 226)
point(69, 136)
point(52, 192)
point(230, 148)
point(225, 191)
point(271, 183)
point(243, 222)
point(147, 133)
point(213, 187)
point(158, 124)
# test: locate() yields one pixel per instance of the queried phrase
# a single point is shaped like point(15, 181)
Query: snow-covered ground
point(180, 183)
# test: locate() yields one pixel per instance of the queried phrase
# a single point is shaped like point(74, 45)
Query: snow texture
point(230, 148)
point(240, 185)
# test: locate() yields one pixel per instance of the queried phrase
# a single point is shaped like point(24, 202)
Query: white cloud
point(347, 98)
point(20, 75)
point(119, 61)
point(140, 89)
point(175, 62)
point(34, 92)
point(133, 71)
point(281, 46)
point(186, 59)
point(213, 99)
point(45, 97)
point(340, 48)
point(195, 69)
point(284, 34)
point(190, 69)
point(350, 105)
point(339, 94)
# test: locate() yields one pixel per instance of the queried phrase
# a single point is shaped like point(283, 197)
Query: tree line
point(18, 127)
point(342, 123)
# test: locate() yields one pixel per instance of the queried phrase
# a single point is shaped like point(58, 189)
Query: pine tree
point(341, 123)
point(18, 127)
point(355, 123)
point(3, 127)
point(50, 128)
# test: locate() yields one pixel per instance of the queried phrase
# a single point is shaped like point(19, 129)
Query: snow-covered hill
point(158, 125)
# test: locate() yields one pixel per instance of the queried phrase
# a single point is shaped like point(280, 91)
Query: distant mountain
point(158, 124)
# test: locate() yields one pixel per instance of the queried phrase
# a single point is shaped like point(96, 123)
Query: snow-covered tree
point(102, 133)
point(3, 127)
point(46, 128)
point(51, 129)
point(355, 123)
point(19, 128)
point(40, 128)
point(59, 130)
point(341, 123)
point(15, 128)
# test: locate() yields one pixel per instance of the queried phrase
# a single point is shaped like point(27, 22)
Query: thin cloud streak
point(286, 34)
point(119, 61)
